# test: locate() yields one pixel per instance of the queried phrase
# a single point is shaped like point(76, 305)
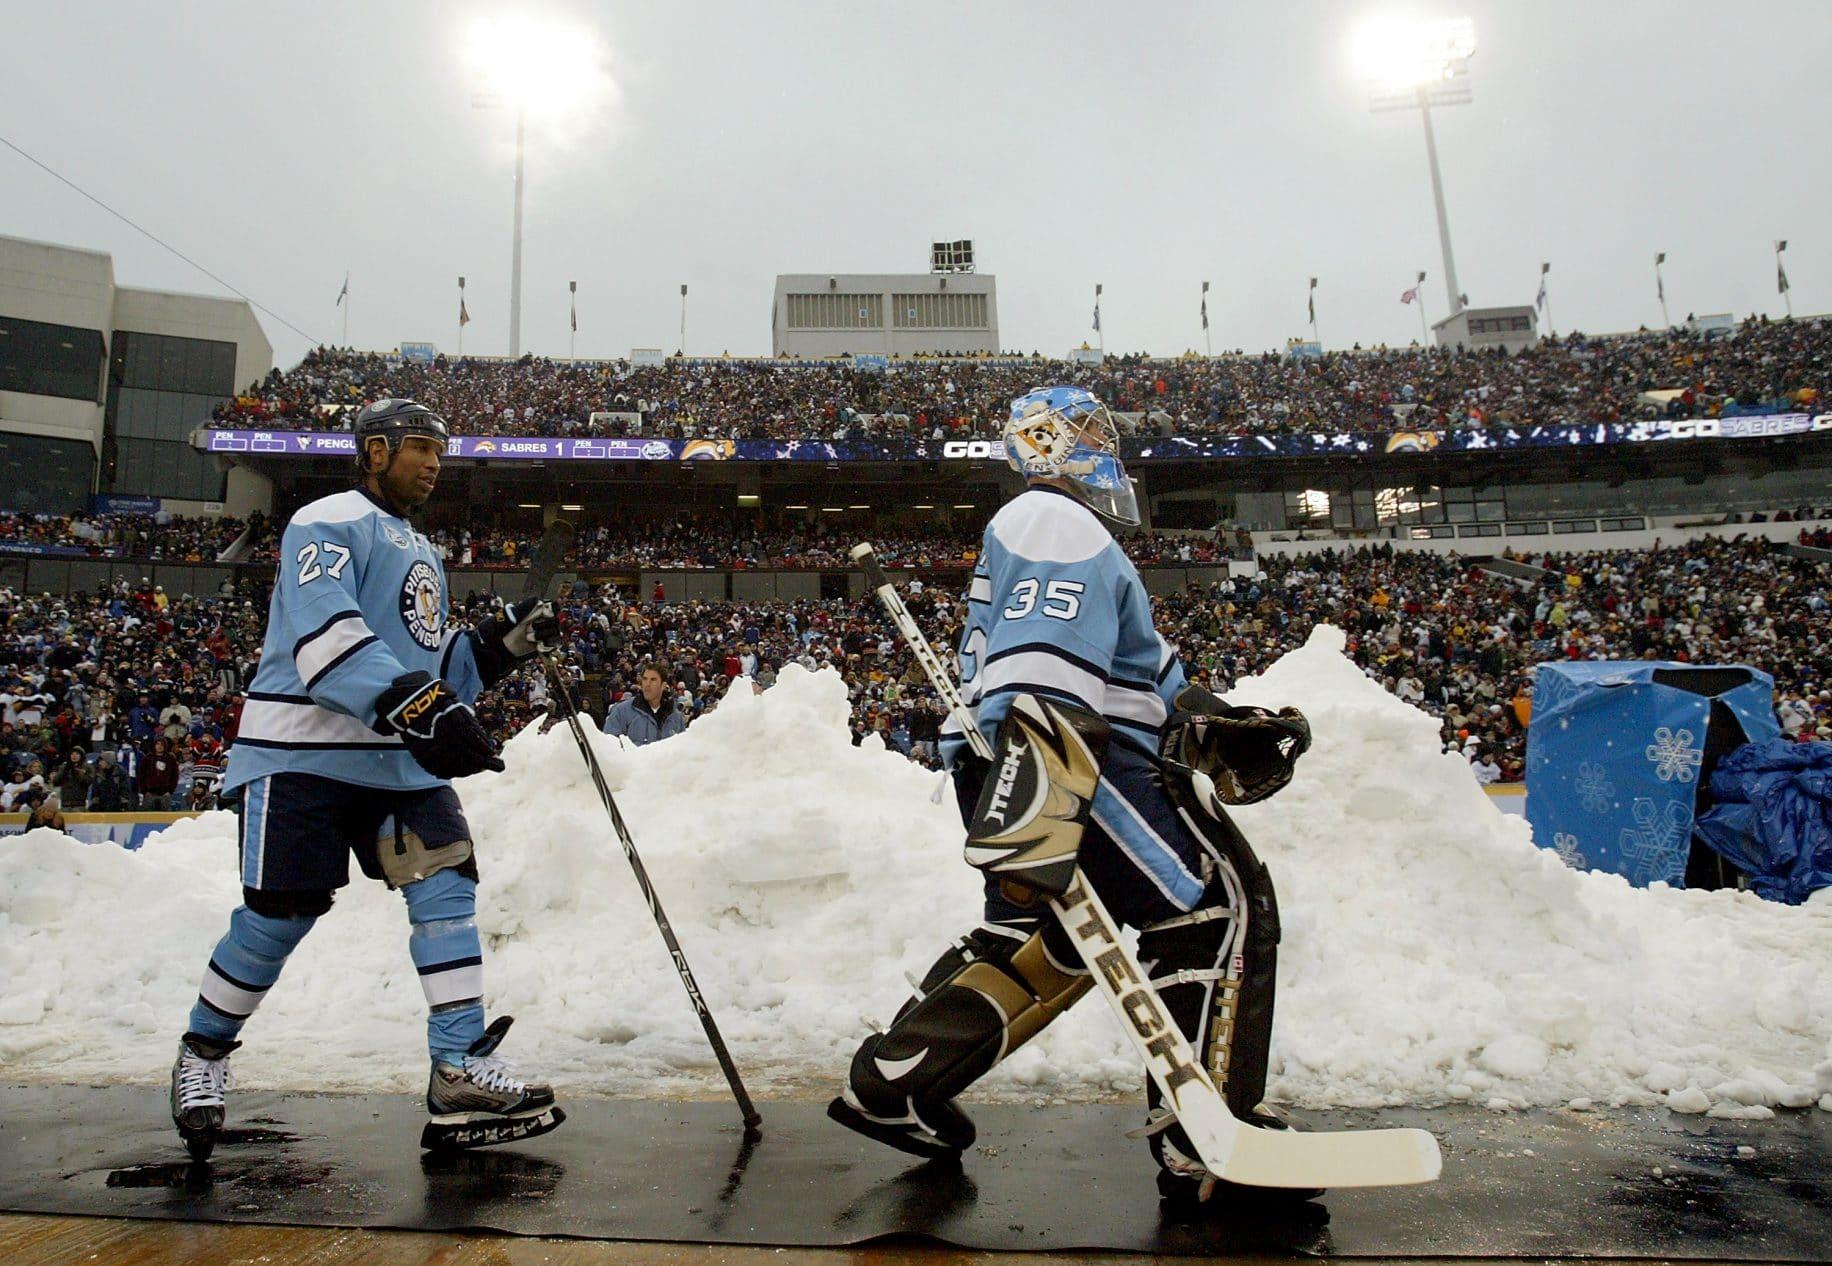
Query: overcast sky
point(1148, 147)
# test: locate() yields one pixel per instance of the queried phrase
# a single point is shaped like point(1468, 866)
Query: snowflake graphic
point(1656, 846)
point(1566, 846)
point(1595, 791)
point(1551, 690)
point(1674, 756)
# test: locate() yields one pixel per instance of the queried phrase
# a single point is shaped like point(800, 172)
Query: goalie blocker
point(1212, 970)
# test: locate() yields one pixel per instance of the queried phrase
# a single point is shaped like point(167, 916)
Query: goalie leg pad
point(1216, 971)
point(1034, 804)
point(989, 994)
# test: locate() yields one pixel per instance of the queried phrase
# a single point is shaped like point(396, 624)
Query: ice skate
point(200, 1075)
point(479, 1102)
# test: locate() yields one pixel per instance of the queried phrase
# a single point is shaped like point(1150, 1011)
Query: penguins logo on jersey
point(420, 605)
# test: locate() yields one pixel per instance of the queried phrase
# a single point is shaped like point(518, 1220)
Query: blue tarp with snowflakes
point(1771, 817)
point(1613, 759)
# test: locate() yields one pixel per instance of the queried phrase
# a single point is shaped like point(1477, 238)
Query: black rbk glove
point(1249, 753)
point(502, 641)
point(438, 729)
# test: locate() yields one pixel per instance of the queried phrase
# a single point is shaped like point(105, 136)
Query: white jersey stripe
point(1041, 668)
point(275, 723)
point(314, 655)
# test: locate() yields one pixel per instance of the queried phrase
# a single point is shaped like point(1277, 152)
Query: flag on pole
point(1540, 302)
point(1205, 305)
point(1660, 285)
point(1409, 296)
point(1097, 307)
point(1313, 300)
point(1781, 286)
point(345, 292)
point(572, 288)
point(464, 317)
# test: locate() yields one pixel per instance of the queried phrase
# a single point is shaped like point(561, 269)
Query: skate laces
point(492, 1073)
point(201, 1082)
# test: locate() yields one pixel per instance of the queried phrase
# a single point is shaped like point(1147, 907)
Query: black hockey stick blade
point(548, 556)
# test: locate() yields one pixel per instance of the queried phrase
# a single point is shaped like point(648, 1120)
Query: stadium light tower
point(1415, 66)
point(539, 68)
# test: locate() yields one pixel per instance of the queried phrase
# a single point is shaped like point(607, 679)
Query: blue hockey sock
point(244, 965)
point(442, 909)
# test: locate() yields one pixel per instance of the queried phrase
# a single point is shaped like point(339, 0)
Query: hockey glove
point(438, 728)
point(503, 640)
point(1249, 753)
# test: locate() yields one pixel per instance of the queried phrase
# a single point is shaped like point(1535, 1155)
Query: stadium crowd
point(128, 697)
point(159, 537)
point(1760, 366)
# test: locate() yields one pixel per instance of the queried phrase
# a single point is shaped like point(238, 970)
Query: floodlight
point(1399, 54)
point(532, 64)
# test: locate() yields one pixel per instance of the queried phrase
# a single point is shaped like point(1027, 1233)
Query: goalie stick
point(1230, 1149)
point(541, 572)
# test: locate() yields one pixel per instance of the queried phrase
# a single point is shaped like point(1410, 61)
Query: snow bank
point(1431, 953)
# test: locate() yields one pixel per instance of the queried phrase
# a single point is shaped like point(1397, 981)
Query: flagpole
point(346, 308)
point(683, 320)
point(572, 337)
point(1781, 281)
point(1424, 337)
point(1208, 344)
point(1660, 287)
point(461, 318)
point(1314, 336)
point(1097, 322)
point(1545, 299)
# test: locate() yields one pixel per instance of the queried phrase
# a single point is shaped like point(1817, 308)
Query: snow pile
point(1430, 953)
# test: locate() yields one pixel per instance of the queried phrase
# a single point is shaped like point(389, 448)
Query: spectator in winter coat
point(158, 776)
point(647, 716)
point(110, 791)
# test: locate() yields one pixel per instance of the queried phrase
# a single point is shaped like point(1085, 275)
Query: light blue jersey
point(359, 599)
point(1056, 608)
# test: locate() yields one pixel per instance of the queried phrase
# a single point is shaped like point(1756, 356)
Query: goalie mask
point(1067, 433)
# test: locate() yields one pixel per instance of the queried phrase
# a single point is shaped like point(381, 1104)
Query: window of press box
point(40, 359)
point(45, 476)
point(166, 362)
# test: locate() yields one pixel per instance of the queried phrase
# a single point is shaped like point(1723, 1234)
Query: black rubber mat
point(1643, 1184)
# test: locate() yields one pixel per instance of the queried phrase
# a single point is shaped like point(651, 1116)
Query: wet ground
point(1626, 1185)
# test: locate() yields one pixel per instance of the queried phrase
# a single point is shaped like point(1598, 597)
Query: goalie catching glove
point(1249, 753)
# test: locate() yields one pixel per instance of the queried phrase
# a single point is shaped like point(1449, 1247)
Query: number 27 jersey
point(359, 599)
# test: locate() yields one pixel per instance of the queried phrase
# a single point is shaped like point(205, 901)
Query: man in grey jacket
point(649, 715)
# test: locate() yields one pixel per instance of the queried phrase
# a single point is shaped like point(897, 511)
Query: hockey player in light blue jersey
point(1057, 611)
point(359, 713)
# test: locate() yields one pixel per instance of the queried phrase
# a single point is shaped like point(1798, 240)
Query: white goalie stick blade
point(1229, 1148)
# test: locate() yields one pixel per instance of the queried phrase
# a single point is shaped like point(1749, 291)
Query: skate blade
point(905, 1138)
point(460, 1135)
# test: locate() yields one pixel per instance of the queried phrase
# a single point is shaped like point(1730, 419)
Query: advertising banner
point(1154, 448)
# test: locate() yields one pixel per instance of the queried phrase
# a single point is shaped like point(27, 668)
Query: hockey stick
point(541, 571)
point(1230, 1149)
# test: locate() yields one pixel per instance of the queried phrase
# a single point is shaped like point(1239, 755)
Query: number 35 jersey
point(1057, 609)
point(359, 599)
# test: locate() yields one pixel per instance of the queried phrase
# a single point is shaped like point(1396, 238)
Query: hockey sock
point(442, 909)
point(244, 965)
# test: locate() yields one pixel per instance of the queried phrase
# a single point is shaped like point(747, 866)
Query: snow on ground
point(1430, 953)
